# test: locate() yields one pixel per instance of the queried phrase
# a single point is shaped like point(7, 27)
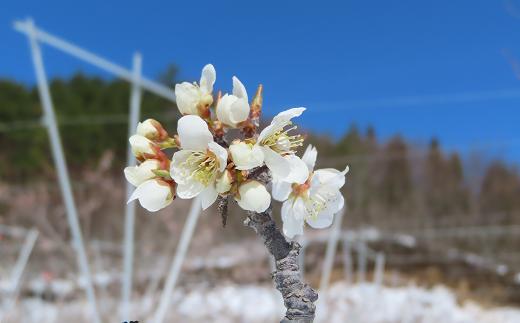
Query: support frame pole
point(61, 167)
point(128, 243)
point(180, 254)
point(362, 260)
point(89, 57)
point(19, 267)
point(332, 244)
point(347, 259)
point(379, 270)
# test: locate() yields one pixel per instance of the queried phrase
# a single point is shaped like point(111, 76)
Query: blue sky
point(418, 68)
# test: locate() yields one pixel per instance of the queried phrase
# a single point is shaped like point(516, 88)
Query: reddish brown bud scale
point(162, 133)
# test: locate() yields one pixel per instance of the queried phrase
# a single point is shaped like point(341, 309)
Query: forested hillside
point(387, 178)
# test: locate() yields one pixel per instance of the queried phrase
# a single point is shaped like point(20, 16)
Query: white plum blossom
point(136, 175)
point(233, 109)
point(153, 194)
point(276, 148)
point(246, 156)
point(141, 146)
point(197, 165)
point(192, 96)
point(315, 201)
point(200, 166)
point(253, 196)
point(279, 147)
point(147, 129)
point(152, 130)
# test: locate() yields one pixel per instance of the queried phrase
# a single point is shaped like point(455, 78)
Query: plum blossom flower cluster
point(208, 162)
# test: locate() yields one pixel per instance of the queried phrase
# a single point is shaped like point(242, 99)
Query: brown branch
point(222, 208)
point(298, 296)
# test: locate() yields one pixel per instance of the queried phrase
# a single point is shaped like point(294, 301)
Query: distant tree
point(396, 183)
point(371, 139)
point(444, 193)
point(92, 114)
point(351, 143)
point(169, 76)
point(500, 193)
point(24, 142)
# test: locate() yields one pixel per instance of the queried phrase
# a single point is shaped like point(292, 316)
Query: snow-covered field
point(362, 303)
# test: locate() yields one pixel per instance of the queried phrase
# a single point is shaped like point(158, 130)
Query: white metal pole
point(61, 167)
point(128, 257)
point(362, 261)
point(76, 51)
point(332, 244)
point(19, 267)
point(21, 262)
point(347, 259)
point(379, 269)
point(180, 254)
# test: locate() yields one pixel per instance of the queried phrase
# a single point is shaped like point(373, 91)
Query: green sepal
point(162, 173)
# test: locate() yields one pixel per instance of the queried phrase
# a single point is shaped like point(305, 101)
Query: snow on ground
point(361, 303)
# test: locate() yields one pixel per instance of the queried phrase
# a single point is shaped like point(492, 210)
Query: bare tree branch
point(298, 296)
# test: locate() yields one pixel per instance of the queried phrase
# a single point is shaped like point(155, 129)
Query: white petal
point(178, 168)
point(136, 175)
point(320, 222)
point(309, 157)
point(292, 216)
point(153, 195)
point(266, 132)
point(245, 156)
point(141, 145)
point(208, 196)
point(232, 110)
point(207, 79)
point(187, 97)
point(223, 109)
point(334, 203)
point(281, 189)
point(189, 189)
point(287, 115)
point(279, 121)
point(223, 182)
point(194, 133)
point(276, 163)
point(299, 171)
point(147, 129)
point(239, 89)
point(253, 197)
point(239, 111)
point(221, 154)
point(330, 177)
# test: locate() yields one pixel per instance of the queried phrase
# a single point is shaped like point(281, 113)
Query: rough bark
point(222, 208)
point(298, 296)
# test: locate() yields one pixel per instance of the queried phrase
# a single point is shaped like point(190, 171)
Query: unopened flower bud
point(154, 194)
point(253, 196)
point(151, 129)
point(136, 175)
point(190, 96)
point(141, 146)
point(246, 156)
point(233, 109)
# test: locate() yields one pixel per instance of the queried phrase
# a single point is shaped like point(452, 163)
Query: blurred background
point(420, 99)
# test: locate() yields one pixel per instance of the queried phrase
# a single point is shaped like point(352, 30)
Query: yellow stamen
point(203, 166)
point(282, 142)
